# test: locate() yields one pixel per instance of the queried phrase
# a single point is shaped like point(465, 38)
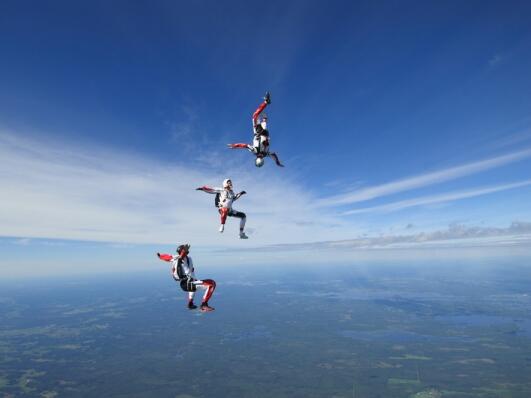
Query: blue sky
point(394, 119)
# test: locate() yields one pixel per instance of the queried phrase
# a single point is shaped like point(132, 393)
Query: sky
point(403, 125)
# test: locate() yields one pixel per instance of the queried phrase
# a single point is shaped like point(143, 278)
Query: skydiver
point(224, 198)
point(183, 272)
point(260, 146)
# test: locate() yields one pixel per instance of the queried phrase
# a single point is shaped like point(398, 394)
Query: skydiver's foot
point(206, 308)
point(222, 228)
point(243, 236)
point(267, 97)
point(191, 305)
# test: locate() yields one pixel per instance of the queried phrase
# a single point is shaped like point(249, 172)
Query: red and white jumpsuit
point(226, 198)
point(183, 272)
point(260, 146)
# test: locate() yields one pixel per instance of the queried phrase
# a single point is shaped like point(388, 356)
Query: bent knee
point(210, 282)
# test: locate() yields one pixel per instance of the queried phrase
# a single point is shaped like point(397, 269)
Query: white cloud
point(55, 191)
point(423, 180)
point(22, 241)
point(518, 233)
point(437, 199)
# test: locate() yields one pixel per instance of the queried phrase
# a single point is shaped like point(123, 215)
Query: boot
point(206, 308)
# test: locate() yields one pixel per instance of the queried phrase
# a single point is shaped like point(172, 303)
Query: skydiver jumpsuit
point(260, 146)
point(226, 197)
point(183, 272)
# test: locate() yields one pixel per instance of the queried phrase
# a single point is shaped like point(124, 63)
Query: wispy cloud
point(457, 235)
point(436, 199)
point(55, 191)
point(22, 241)
point(423, 180)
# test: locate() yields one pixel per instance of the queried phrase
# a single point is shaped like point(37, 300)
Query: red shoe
point(206, 308)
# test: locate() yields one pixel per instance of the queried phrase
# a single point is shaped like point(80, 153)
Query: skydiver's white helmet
point(259, 162)
point(226, 183)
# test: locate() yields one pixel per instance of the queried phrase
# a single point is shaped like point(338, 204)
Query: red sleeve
point(166, 257)
point(206, 189)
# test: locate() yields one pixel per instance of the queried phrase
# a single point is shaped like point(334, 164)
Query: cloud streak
point(456, 235)
point(423, 180)
point(55, 191)
point(437, 199)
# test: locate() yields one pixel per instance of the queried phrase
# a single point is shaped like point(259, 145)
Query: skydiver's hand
point(158, 255)
point(242, 193)
point(199, 189)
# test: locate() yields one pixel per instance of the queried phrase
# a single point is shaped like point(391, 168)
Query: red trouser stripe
point(224, 212)
point(258, 111)
point(211, 286)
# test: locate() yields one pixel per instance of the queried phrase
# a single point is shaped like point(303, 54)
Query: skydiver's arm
point(274, 156)
point(206, 189)
point(238, 195)
point(238, 146)
point(165, 257)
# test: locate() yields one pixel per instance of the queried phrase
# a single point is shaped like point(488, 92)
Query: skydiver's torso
point(261, 144)
point(183, 267)
point(226, 197)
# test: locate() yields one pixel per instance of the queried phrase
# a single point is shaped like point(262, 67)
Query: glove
point(242, 193)
point(158, 255)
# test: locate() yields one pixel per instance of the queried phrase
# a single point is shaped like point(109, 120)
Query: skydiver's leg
point(243, 219)
point(209, 285)
point(224, 212)
point(274, 156)
point(241, 216)
point(191, 304)
point(257, 112)
point(189, 287)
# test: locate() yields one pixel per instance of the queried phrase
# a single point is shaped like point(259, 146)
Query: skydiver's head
point(183, 250)
point(227, 184)
point(259, 161)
